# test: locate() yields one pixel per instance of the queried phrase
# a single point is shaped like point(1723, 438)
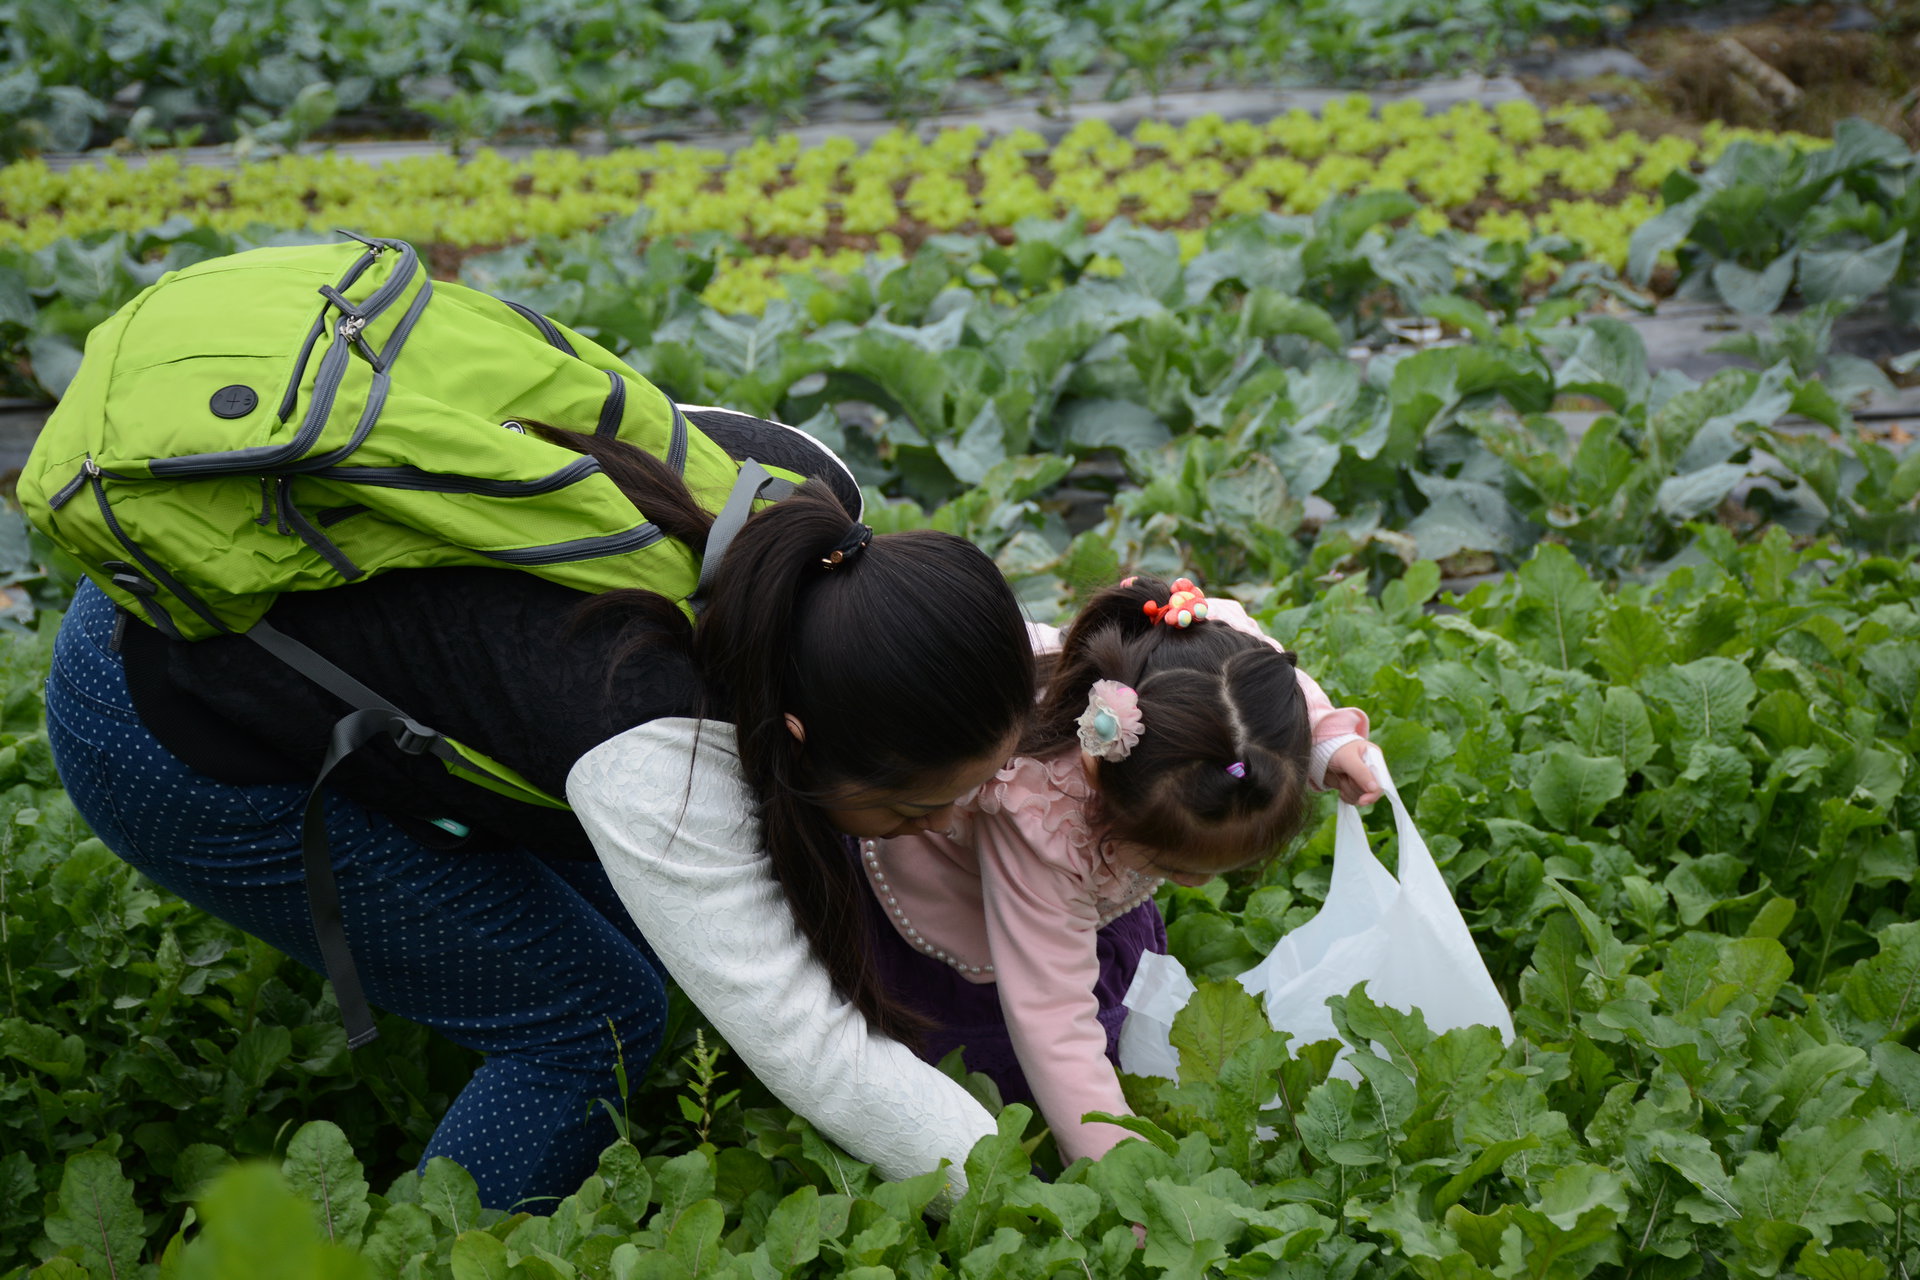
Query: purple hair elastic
point(1238, 769)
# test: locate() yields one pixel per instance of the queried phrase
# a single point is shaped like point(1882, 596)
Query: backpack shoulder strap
point(753, 483)
point(372, 718)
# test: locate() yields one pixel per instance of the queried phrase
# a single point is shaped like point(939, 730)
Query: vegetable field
point(1679, 817)
point(1643, 648)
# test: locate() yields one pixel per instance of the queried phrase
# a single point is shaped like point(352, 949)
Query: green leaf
point(1210, 945)
point(1571, 789)
point(478, 1256)
point(1462, 313)
point(1708, 697)
point(695, 1236)
point(1112, 424)
point(1755, 293)
point(680, 1182)
point(1340, 1125)
point(1219, 1018)
point(1578, 1189)
point(1151, 259)
point(1609, 957)
point(1139, 1126)
point(1812, 1182)
point(1068, 1208)
point(16, 304)
point(629, 1185)
point(259, 1054)
point(1840, 1264)
point(447, 1192)
point(1253, 497)
point(1347, 218)
point(96, 1212)
point(1393, 1088)
point(792, 1233)
point(995, 1166)
point(42, 1048)
point(976, 450)
point(1629, 641)
point(1560, 599)
point(1758, 967)
point(1187, 1229)
point(320, 1164)
point(1609, 362)
point(1854, 274)
point(1485, 1160)
point(55, 359)
point(1695, 493)
point(1268, 313)
point(1886, 989)
point(403, 1232)
point(252, 1225)
point(1664, 231)
point(1622, 730)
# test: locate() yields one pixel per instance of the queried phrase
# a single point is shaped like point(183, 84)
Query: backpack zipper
point(419, 481)
point(547, 328)
point(326, 384)
point(613, 544)
point(613, 410)
point(88, 469)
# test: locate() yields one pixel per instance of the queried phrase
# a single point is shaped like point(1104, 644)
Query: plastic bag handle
point(1416, 862)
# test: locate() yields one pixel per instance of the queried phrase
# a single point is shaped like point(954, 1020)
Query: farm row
point(269, 73)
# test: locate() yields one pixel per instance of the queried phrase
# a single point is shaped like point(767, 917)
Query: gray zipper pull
point(88, 470)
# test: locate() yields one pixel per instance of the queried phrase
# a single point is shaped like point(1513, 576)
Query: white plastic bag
point(1159, 990)
point(1404, 938)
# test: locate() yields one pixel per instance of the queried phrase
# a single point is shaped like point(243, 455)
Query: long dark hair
point(1210, 697)
point(648, 620)
point(904, 662)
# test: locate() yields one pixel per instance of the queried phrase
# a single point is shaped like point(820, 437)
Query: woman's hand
point(1348, 773)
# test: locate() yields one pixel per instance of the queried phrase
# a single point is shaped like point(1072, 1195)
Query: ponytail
point(904, 660)
point(648, 620)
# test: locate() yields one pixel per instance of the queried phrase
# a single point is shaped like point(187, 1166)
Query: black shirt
point(497, 659)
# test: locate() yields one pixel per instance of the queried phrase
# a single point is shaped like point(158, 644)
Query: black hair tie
point(851, 544)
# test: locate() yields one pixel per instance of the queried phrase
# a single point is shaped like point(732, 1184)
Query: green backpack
point(292, 419)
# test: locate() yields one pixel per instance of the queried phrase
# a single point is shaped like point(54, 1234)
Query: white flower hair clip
point(1111, 724)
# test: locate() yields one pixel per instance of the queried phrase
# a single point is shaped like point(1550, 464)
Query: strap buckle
point(412, 737)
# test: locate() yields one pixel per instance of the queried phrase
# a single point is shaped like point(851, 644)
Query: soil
point(1845, 60)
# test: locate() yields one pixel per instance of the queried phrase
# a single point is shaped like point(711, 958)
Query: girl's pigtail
point(1110, 638)
point(1268, 740)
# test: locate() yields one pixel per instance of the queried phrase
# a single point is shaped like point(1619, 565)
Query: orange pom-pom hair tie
point(1186, 606)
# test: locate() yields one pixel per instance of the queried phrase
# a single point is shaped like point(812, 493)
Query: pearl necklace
point(1142, 886)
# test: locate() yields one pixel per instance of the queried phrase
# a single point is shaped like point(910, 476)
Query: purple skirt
point(966, 1015)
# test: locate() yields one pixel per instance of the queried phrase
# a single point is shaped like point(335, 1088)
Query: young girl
point(1174, 741)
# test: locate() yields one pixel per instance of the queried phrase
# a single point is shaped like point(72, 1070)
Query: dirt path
point(1793, 67)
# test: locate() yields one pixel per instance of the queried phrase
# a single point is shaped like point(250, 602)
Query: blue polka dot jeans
point(521, 957)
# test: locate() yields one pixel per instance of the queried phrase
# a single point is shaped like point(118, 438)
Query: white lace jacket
point(677, 835)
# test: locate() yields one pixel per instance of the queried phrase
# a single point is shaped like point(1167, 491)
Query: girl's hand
point(1347, 773)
